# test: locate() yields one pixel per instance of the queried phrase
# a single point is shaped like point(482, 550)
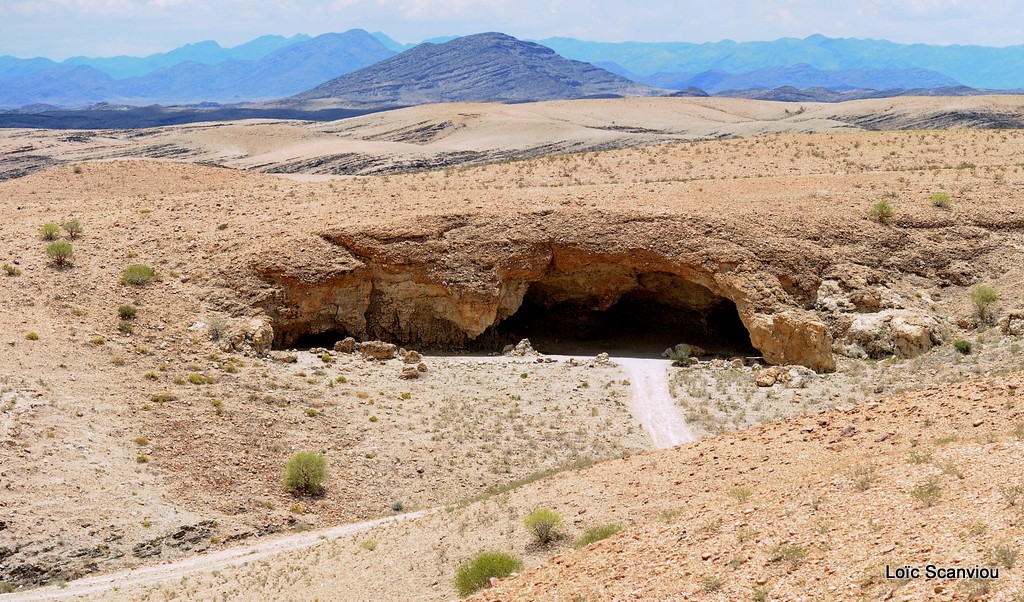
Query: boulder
point(1012, 322)
point(521, 349)
point(284, 357)
point(422, 367)
point(792, 337)
point(412, 357)
point(767, 377)
point(899, 332)
point(254, 336)
point(346, 345)
point(378, 350)
point(410, 372)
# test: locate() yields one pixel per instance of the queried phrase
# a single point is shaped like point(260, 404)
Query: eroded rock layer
point(446, 280)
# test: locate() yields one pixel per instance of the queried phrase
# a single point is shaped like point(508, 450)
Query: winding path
point(153, 574)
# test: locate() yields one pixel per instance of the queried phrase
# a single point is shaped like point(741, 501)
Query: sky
point(58, 29)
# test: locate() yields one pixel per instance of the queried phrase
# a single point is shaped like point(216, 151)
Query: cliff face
point(446, 281)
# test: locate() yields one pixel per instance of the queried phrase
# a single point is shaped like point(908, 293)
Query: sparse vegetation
point(60, 252)
point(882, 212)
point(127, 312)
point(710, 583)
point(305, 473)
point(476, 574)
point(963, 346)
point(217, 328)
point(983, 296)
point(32, 336)
point(928, 493)
point(741, 493)
point(49, 231)
point(543, 524)
point(595, 534)
point(10, 270)
point(74, 228)
point(940, 200)
point(137, 274)
point(793, 554)
point(1005, 554)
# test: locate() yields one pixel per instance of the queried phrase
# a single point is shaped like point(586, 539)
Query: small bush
point(1005, 554)
point(60, 252)
point(1011, 493)
point(137, 274)
point(397, 506)
point(74, 228)
point(142, 459)
point(741, 493)
point(983, 296)
point(882, 212)
point(680, 356)
point(543, 523)
point(218, 406)
point(197, 379)
point(368, 545)
point(710, 583)
point(32, 336)
point(98, 341)
point(928, 493)
point(940, 200)
point(127, 312)
point(305, 473)
point(218, 328)
point(143, 440)
point(125, 326)
point(476, 574)
point(596, 534)
point(792, 554)
point(10, 270)
point(759, 594)
point(49, 231)
point(963, 346)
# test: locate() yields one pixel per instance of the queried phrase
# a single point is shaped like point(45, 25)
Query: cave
point(662, 311)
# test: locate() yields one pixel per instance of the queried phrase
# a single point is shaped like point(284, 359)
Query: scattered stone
point(410, 372)
point(284, 357)
point(412, 357)
point(602, 360)
point(378, 350)
point(346, 345)
point(422, 367)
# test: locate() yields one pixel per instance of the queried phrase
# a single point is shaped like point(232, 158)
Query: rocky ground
point(127, 441)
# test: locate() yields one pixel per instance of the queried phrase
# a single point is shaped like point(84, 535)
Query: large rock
point(1012, 322)
point(793, 337)
point(897, 332)
point(378, 350)
point(253, 336)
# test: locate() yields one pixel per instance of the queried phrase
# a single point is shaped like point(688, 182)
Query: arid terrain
point(852, 406)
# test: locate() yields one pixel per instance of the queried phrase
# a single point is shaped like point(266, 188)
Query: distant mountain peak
point(483, 67)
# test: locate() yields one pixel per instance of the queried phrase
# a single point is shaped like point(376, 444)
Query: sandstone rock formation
point(254, 336)
point(378, 350)
point(902, 333)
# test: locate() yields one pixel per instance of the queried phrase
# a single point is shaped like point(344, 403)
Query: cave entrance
point(663, 311)
point(313, 340)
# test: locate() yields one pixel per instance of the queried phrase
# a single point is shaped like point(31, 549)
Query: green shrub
point(74, 228)
point(759, 594)
point(983, 296)
point(32, 336)
point(596, 534)
point(137, 274)
point(963, 346)
point(127, 312)
point(125, 326)
point(543, 522)
point(305, 473)
point(792, 554)
point(882, 212)
point(49, 231)
point(10, 270)
point(1005, 554)
point(741, 493)
point(941, 200)
point(60, 252)
point(476, 574)
point(680, 356)
point(710, 583)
